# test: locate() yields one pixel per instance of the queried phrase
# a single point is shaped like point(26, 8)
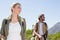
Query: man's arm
point(36, 29)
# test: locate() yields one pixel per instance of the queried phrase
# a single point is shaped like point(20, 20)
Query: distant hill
point(54, 29)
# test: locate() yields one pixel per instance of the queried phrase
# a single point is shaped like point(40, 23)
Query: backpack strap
point(46, 33)
point(36, 27)
point(5, 21)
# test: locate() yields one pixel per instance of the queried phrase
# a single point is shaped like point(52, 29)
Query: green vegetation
point(28, 34)
point(54, 36)
point(50, 37)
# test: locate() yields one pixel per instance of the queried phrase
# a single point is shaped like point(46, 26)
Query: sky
point(31, 9)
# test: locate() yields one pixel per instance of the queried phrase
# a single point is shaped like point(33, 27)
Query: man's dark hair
point(40, 16)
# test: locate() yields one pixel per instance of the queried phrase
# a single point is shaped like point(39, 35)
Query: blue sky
point(31, 9)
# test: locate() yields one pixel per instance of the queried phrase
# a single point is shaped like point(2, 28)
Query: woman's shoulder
point(22, 19)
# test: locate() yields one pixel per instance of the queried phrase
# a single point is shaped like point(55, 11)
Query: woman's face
point(17, 9)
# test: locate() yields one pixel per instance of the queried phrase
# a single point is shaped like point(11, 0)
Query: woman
point(13, 28)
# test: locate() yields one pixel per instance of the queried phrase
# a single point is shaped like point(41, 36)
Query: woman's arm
point(2, 29)
point(24, 29)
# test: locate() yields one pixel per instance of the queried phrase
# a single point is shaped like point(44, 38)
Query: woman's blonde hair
point(14, 5)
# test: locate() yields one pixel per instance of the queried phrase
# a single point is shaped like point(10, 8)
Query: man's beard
point(43, 19)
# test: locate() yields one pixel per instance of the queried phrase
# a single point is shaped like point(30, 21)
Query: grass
point(50, 37)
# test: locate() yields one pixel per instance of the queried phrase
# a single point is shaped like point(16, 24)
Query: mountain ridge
point(54, 29)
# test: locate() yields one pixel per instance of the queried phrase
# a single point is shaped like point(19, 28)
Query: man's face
point(43, 18)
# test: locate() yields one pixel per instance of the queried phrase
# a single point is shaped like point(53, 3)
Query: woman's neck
point(14, 18)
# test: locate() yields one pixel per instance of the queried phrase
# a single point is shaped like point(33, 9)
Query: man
point(41, 29)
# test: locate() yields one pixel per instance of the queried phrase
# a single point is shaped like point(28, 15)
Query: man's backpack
point(46, 33)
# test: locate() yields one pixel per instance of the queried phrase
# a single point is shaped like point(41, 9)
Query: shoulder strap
point(36, 26)
point(46, 33)
point(45, 24)
point(5, 21)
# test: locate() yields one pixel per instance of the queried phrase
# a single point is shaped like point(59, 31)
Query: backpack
point(45, 26)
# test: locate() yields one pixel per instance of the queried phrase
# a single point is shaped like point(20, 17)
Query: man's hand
point(41, 38)
point(2, 37)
